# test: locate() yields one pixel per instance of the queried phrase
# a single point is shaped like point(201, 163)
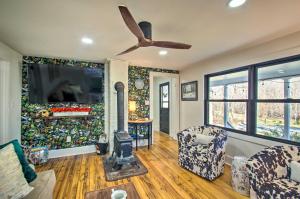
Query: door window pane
point(165, 93)
point(165, 104)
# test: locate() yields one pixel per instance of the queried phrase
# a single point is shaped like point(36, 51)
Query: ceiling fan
point(143, 32)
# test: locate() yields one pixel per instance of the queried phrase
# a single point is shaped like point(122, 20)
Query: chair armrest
point(217, 146)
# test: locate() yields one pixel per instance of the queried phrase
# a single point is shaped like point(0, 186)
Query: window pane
point(295, 87)
point(280, 120)
point(216, 92)
point(237, 91)
point(295, 122)
point(230, 86)
point(280, 81)
point(237, 115)
point(271, 89)
point(234, 117)
point(216, 113)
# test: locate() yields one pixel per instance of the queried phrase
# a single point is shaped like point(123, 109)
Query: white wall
point(11, 83)
point(192, 113)
point(115, 71)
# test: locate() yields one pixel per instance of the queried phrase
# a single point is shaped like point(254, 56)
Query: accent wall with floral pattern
point(39, 131)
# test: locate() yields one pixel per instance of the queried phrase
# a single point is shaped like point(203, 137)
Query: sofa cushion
point(13, 185)
point(29, 173)
point(281, 188)
point(43, 185)
point(295, 171)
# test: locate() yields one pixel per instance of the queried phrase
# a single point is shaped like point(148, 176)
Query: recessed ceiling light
point(86, 40)
point(163, 52)
point(236, 3)
point(281, 71)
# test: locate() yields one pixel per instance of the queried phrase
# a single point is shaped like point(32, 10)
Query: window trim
point(252, 100)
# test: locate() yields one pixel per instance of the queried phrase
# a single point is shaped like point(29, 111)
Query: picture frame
point(189, 91)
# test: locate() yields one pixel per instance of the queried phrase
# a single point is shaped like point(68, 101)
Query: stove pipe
point(119, 86)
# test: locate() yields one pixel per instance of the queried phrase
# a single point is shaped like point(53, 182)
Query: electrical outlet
point(69, 138)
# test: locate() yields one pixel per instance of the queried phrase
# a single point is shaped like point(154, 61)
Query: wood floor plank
point(79, 174)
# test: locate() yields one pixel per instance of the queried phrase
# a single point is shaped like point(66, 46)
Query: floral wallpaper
point(38, 131)
point(142, 96)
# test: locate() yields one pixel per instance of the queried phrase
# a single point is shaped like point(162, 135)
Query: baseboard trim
point(71, 151)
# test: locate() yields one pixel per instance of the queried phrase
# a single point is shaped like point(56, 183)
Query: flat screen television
point(49, 83)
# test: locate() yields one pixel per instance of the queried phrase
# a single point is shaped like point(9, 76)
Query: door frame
point(4, 101)
point(174, 100)
point(160, 104)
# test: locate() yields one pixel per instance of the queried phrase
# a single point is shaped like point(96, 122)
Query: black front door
point(164, 98)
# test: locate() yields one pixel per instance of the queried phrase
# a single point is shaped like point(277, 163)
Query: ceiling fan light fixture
point(163, 52)
point(236, 3)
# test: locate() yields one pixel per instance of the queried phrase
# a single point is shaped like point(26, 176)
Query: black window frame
point(252, 100)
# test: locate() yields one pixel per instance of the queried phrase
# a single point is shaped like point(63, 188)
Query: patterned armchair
point(268, 173)
point(206, 161)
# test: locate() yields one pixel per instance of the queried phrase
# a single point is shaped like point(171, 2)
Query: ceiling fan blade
point(170, 44)
point(131, 23)
point(129, 50)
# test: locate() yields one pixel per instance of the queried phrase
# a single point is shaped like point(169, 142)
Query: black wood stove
point(122, 153)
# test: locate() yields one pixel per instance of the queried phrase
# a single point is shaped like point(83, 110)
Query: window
point(261, 100)
point(228, 97)
point(278, 112)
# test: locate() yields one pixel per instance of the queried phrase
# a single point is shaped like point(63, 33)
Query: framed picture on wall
point(189, 91)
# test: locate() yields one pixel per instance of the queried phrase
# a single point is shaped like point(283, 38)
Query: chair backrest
point(272, 162)
point(207, 130)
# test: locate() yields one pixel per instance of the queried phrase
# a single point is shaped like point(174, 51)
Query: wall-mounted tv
point(49, 83)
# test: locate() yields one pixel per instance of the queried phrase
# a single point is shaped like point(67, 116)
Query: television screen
point(49, 83)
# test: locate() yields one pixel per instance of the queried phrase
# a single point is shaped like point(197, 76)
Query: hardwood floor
point(76, 175)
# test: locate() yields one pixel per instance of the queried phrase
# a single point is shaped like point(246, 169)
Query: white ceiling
point(53, 28)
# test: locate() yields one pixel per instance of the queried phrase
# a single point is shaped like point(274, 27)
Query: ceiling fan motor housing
point(147, 29)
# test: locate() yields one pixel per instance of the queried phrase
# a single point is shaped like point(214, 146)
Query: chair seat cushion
point(281, 188)
point(43, 185)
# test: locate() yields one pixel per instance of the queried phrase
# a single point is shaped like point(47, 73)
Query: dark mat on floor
point(127, 171)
